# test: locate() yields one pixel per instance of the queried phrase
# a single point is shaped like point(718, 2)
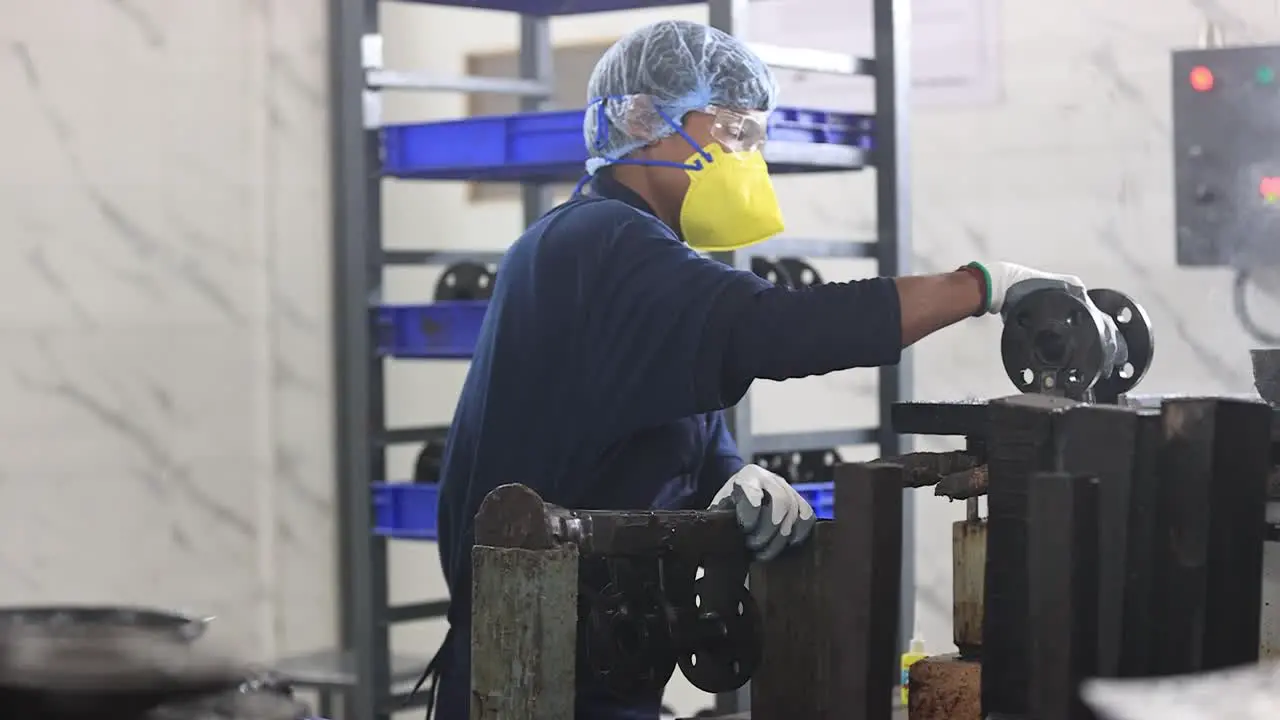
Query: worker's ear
point(642, 117)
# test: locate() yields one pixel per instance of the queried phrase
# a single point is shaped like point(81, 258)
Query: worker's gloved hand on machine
point(1008, 283)
point(772, 515)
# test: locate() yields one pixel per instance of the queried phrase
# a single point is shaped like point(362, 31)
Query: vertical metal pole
point(892, 23)
point(357, 283)
point(730, 16)
point(536, 61)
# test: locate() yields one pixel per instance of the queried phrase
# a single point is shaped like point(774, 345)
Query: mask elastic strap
point(602, 136)
point(586, 178)
point(678, 128)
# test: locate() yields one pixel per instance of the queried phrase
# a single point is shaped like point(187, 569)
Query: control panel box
point(1226, 144)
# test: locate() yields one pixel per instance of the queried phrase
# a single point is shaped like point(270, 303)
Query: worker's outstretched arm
point(670, 333)
point(780, 333)
point(931, 302)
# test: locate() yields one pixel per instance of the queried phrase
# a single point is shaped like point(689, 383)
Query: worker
point(611, 346)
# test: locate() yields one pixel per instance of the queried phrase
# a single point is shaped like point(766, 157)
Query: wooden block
point(1237, 533)
point(1100, 441)
point(524, 616)
point(868, 583)
point(1183, 532)
point(1063, 594)
point(830, 608)
point(1207, 595)
point(945, 688)
point(1138, 628)
point(969, 562)
point(1021, 442)
point(793, 593)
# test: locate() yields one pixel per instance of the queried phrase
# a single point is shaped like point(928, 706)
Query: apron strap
point(431, 676)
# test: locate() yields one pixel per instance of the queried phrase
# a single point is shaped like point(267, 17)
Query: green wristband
point(980, 270)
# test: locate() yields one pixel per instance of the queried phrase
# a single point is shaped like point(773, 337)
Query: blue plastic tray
point(405, 510)
point(821, 496)
point(555, 7)
point(408, 510)
point(548, 146)
point(439, 330)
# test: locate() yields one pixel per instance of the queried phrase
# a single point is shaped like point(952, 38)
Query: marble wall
point(165, 382)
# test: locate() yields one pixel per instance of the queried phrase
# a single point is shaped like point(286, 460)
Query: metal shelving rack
point(364, 670)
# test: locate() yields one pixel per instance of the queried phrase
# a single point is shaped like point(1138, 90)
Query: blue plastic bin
point(549, 147)
point(439, 330)
point(821, 496)
point(405, 510)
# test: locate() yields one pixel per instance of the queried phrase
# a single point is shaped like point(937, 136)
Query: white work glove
point(1008, 283)
point(770, 512)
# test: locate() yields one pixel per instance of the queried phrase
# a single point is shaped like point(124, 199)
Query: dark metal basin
point(69, 662)
point(60, 618)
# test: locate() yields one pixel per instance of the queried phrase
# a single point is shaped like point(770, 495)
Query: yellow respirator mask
point(731, 203)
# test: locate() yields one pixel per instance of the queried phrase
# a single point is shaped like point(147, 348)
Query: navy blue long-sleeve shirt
point(607, 355)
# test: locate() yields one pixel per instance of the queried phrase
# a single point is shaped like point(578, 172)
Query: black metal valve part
point(466, 280)
point(1053, 345)
point(644, 616)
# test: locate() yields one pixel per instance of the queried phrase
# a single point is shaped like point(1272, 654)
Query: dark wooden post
point(868, 580)
point(1063, 593)
point(1183, 533)
point(524, 617)
point(1211, 530)
point(1021, 442)
point(830, 608)
point(1138, 628)
point(1099, 441)
point(1237, 532)
point(797, 644)
point(524, 612)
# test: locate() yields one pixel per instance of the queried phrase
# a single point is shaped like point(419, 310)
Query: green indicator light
point(1265, 75)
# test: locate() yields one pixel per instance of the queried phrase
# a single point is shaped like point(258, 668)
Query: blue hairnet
point(671, 67)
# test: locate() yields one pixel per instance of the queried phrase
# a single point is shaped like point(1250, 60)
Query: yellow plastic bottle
point(912, 656)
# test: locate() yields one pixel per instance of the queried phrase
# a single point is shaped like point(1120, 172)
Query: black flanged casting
point(1052, 344)
point(466, 281)
point(1136, 337)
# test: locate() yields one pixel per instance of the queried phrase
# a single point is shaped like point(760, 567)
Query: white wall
point(165, 383)
point(164, 291)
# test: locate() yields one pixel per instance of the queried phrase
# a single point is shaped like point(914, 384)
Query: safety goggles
point(738, 130)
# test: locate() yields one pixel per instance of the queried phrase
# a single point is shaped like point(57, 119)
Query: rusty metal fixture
point(922, 469)
point(966, 485)
point(643, 608)
point(968, 568)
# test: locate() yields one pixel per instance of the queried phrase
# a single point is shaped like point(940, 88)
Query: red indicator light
point(1269, 188)
point(1201, 79)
